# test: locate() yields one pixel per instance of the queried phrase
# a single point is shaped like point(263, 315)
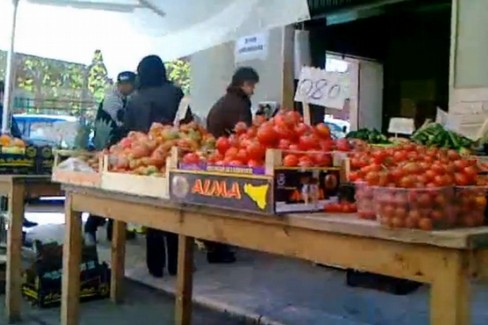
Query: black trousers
point(158, 243)
point(93, 222)
point(217, 248)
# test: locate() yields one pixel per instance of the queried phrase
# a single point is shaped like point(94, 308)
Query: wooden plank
point(156, 187)
point(71, 265)
point(14, 252)
point(451, 293)
point(118, 261)
point(184, 281)
point(468, 238)
point(288, 81)
point(405, 260)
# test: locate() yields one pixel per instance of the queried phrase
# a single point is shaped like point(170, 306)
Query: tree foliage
point(53, 87)
point(179, 72)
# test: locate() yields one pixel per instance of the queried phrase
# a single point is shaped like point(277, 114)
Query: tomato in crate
point(470, 205)
point(365, 202)
point(420, 208)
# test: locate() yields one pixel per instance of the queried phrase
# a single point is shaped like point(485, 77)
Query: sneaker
point(221, 258)
point(29, 224)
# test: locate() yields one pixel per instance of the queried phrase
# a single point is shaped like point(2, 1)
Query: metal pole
point(10, 78)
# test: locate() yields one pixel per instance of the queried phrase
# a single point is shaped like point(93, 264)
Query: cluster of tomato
point(424, 209)
point(412, 166)
point(411, 186)
point(303, 145)
point(341, 207)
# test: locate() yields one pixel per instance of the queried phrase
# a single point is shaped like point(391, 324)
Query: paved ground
point(143, 305)
point(276, 290)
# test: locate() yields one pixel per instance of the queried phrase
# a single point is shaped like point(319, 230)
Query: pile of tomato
point(302, 145)
point(412, 186)
point(341, 207)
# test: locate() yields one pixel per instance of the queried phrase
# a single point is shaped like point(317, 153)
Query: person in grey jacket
point(155, 100)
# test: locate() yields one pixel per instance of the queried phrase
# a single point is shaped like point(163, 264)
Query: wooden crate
point(274, 189)
point(73, 177)
point(150, 186)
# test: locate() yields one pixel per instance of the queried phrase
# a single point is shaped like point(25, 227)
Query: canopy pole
point(10, 74)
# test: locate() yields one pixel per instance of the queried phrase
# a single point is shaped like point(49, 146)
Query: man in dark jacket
point(156, 100)
point(233, 107)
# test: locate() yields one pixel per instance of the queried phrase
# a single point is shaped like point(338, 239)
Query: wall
point(212, 69)
point(471, 45)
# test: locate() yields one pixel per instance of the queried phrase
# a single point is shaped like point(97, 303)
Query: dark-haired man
point(112, 111)
point(233, 107)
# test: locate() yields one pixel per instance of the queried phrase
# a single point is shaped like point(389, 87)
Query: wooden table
point(17, 188)
point(444, 259)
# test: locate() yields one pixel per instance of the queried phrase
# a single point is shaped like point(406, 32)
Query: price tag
point(323, 88)
point(401, 125)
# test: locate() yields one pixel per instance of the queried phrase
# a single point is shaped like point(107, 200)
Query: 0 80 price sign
point(319, 87)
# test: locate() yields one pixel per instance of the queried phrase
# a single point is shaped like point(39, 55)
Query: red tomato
point(282, 132)
point(256, 151)
point(326, 145)
point(266, 135)
point(254, 163)
point(306, 142)
point(222, 144)
point(284, 144)
point(305, 162)
point(231, 153)
point(343, 145)
point(235, 163)
point(191, 158)
point(322, 159)
point(240, 128)
point(322, 130)
point(242, 156)
point(301, 129)
point(290, 160)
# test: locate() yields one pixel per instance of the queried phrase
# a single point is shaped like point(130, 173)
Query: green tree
point(98, 81)
point(179, 72)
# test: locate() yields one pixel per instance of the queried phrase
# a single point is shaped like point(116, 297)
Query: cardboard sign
point(471, 125)
point(324, 88)
point(239, 193)
point(252, 47)
point(401, 125)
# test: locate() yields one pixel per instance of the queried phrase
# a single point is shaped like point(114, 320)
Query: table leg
point(14, 252)
point(184, 282)
point(118, 261)
point(71, 266)
point(450, 300)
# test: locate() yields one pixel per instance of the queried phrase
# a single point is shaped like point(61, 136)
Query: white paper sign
point(471, 125)
point(253, 47)
point(441, 117)
point(401, 125)
point(324, 88)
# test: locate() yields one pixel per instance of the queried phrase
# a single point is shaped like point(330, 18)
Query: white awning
point(127, 30)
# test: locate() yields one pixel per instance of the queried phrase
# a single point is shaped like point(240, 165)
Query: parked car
point(36, 128)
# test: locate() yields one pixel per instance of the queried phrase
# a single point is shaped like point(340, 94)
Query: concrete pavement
point(143, 305)
point(274, 290)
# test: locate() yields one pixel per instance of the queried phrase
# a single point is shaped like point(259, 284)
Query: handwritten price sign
point(323, 88)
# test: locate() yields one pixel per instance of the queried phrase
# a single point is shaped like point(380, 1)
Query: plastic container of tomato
point(365, 201)
point(425, 208)
point(470, 205)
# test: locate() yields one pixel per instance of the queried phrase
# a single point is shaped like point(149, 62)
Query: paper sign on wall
point(324, 88)
point(252, 47)
point(401, 125)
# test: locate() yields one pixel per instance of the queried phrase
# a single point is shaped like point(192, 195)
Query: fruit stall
point(400, 208)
